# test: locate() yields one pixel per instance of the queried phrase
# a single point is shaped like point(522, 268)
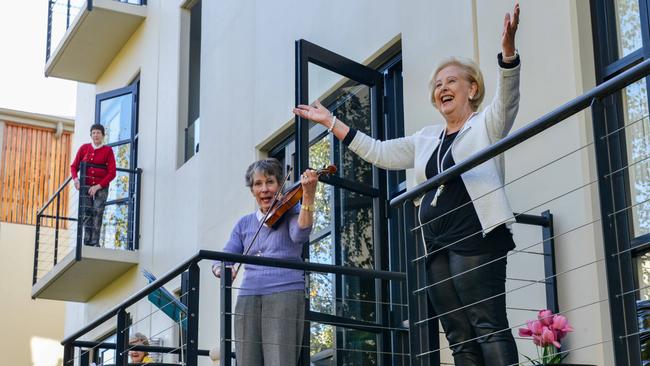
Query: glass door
point(117, 111)
point(349, 227)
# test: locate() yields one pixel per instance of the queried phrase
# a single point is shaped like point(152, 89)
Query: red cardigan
point(102, 156)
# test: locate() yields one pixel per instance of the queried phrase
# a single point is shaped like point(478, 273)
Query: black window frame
point(388, 122)
point(133, 199)
point(621, 245)
point(191, 140)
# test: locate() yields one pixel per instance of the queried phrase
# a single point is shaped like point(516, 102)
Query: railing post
point(56, 228)
point(81, 209)
point(122, 341)
point(67, 16)
point(549, 263)
point(68, 354)
point(411, 282)
point(418, 304)
point(226, 315)
point(48, 40)
point(36, 240)
point(136, 214)
point(192, 345)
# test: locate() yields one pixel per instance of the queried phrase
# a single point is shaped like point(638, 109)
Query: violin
point(290, 198)
point(280, 206)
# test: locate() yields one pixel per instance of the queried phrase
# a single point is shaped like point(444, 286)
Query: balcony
point(66, 269)
point(83, 37)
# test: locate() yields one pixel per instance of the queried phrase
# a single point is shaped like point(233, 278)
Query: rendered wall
point(33, 329)
point(247, 91)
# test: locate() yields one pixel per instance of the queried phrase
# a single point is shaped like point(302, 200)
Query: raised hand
point(510, 24)
point(315, 112)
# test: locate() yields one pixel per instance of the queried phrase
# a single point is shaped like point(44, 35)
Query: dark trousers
point(472, 307)
point(92, 215)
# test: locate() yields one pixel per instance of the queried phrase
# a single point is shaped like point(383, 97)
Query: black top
point(453, 220)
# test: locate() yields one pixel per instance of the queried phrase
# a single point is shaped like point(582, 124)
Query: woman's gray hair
point(472, 73)
point(270, 167)
point(139, 338)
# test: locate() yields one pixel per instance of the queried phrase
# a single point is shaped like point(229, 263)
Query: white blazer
point(484, 183)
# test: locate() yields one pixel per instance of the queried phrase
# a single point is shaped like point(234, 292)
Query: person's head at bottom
point(139, 339)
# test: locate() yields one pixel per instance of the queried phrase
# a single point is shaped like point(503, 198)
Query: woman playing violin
point(270, 308)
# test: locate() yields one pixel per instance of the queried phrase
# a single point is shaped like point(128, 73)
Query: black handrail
point(65, 182)
point(235, 258)
point(111, 345)
point(541, 124)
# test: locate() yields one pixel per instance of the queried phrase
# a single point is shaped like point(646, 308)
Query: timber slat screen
point(34, 164)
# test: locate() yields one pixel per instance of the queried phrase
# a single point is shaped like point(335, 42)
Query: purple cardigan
point(285, 242)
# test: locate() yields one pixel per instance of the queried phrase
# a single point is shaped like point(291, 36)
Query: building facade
point(33, 161)
point(194, 91)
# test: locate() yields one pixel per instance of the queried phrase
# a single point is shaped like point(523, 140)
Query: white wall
point(33, 329)
point(247, 91)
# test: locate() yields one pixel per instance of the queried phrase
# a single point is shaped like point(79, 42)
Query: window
point(117, 111)
point(193, 79)
point(350, 225)
point(622, 40)
point(103, 356)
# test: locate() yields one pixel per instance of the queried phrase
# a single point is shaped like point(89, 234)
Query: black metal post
point(68, 354)
point(48, 41)
point(84, 357)
point(192, 344)
point(122, 341)
point(226, 317)
point(67, 16)
point(302, 97)
point(81, 209)
point(423, 337)
point(56, 228)
point(411, 283)
point(36, 240)
point(548, 235)
point(136, 229)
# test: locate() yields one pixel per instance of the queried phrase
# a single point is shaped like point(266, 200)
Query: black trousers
point(469, 298)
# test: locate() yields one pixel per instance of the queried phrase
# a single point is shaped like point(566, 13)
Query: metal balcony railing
point(614, 221)
point(60, 223)
point(62, 13)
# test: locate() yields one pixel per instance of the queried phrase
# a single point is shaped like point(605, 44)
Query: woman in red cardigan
point(94, 190)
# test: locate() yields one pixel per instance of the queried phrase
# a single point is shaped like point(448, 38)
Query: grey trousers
point(269, 328)
point(93, 214)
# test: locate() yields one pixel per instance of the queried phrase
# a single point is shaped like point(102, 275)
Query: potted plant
point(546, 332)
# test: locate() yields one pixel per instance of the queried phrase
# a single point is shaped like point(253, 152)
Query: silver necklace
point(439, 163)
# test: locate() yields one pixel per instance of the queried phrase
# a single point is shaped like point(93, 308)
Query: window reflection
point(628, 26)
point(635, 102)
point(120, 187)
point(115, 226)
point(322, 340)
point(353, 107)
point(319, 157)
point(115, 115)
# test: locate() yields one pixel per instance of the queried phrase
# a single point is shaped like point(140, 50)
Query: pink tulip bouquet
point(547, 332)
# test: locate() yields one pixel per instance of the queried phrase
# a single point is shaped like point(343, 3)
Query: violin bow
point(273, 203)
